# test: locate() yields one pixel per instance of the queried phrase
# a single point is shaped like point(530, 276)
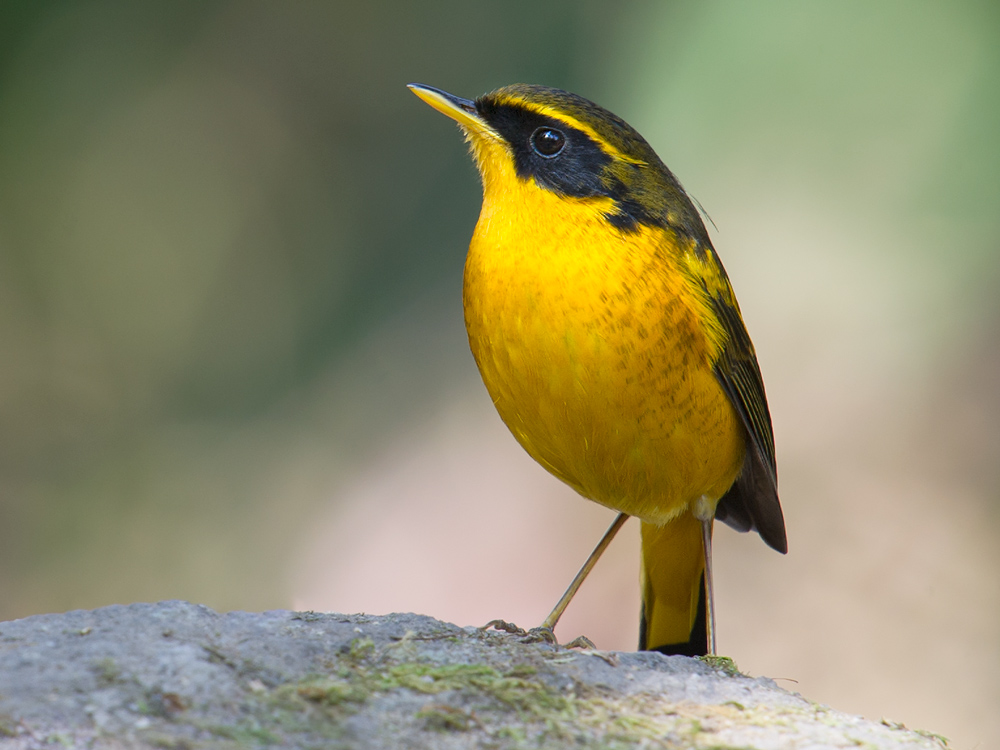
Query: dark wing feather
point(752, 502)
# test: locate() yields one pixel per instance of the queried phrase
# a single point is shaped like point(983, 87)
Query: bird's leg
point(550, 621)
point(706, 537)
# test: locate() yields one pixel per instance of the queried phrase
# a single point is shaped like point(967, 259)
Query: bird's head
point(570, 146)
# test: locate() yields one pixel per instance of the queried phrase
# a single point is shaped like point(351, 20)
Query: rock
point(178, 675)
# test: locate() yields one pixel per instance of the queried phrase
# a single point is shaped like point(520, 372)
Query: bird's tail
point(673, 588)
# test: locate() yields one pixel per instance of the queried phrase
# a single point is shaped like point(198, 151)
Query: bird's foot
point(535, 635)
point(504, 627)
point(540, 634)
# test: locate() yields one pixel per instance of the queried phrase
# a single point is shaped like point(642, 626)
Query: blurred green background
point(234, 370)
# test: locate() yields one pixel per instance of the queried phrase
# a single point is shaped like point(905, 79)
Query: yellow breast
point(597, 350)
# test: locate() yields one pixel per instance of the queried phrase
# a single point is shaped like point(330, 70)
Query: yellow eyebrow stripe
point(572, 122)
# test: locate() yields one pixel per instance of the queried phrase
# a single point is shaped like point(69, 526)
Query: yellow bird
point(606, 331)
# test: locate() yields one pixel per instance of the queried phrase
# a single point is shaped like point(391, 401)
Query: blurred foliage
point(204, 201)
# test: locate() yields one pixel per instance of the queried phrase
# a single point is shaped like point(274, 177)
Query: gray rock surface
point(178, 675)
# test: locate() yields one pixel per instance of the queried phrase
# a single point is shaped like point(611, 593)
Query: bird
point(608, 335)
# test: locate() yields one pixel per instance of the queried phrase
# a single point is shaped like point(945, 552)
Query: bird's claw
point(504, 627)
point(541, 634)
point(581, 642)
point(535, 635)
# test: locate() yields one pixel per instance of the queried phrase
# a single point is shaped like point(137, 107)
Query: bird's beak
point(462, 111)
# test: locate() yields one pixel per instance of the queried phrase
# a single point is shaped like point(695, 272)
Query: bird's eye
point(548, 142)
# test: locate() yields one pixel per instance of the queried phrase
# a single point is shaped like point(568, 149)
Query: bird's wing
point(752, 502)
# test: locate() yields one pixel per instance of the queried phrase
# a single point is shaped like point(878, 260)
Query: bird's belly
point(607, 386)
